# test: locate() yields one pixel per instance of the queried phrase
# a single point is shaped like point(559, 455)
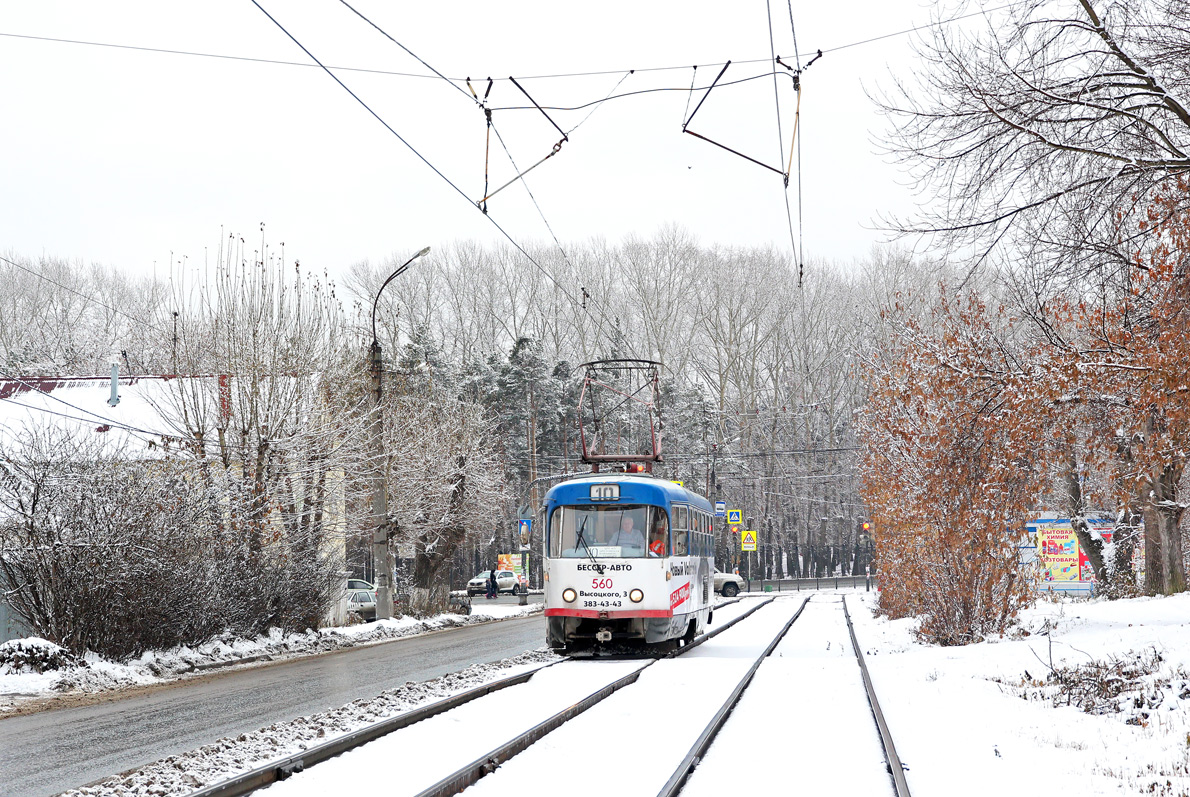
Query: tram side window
point(659, 534)
point(681, 529)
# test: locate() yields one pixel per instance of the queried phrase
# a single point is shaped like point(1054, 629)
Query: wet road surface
point(46, 753)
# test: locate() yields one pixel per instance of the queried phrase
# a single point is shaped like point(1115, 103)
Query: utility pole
point(380, 558)
point(384, 593)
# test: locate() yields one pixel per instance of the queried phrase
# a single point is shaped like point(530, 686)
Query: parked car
point(359, 583)
point(728, 584)
point(506, 581)
point(362, 602)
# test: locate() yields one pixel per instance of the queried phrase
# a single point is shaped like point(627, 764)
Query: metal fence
point(803, 584)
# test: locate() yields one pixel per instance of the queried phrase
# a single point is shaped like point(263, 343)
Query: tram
point(628, 563)
point(628, 557)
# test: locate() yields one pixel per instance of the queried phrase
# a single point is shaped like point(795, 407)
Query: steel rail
point(282, 768)
point(895, 770)
point(700, 746)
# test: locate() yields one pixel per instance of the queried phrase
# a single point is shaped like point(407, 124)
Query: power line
point(68, 289)
point(593, 73)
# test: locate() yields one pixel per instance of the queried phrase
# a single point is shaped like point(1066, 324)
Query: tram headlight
point(569, 595)
point(636, 596)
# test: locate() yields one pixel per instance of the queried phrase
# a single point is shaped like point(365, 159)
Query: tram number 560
point(601, 583)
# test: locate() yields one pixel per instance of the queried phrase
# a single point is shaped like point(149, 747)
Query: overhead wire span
point(426, 161)
point(599, 104)
point(538, 107)
point(686, 126)
point(491, 127)
point(551, 76)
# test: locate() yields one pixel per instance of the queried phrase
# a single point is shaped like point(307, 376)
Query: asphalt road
point(51, 751)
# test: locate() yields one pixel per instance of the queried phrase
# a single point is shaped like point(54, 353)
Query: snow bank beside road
point(96, 674)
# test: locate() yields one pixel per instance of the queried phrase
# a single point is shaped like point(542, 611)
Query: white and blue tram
point(629, 563)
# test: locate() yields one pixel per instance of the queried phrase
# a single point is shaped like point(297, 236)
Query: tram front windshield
point(617, 531)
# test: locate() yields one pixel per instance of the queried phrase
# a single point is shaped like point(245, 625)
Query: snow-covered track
point(895, 769)
point(457, 781)
point(282, 769)
point(674, 785)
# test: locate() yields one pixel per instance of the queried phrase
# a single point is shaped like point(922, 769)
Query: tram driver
point(627, 535)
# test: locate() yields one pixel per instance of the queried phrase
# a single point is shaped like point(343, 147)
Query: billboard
point(1057, 547)
point(512, 561)
point(1061, 558)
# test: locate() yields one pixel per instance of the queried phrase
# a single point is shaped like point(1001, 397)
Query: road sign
point(720, 508)
point(525, 529)
point(735, 516)
point(748, 541)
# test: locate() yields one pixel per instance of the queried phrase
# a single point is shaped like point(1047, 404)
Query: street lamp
point(384, 592)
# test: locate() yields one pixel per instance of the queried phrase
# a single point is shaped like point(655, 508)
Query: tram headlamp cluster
point(636, 596)
point(569, 595)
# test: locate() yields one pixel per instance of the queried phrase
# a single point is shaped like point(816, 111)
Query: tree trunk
point(1165, 573)
point(429, 592)
point(1075, 507)
point(1121, 582)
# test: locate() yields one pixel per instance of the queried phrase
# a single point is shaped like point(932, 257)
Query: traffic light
point(867, 527)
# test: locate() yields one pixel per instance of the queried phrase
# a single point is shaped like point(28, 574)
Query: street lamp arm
point(400, 270)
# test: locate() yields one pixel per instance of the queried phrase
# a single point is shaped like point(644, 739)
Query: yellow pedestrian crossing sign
point(748, 541)
point(734, 516)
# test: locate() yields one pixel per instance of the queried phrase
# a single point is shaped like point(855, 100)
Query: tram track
point(281, 769)
point(896, 769)
point(559, 730)
point(844, 700)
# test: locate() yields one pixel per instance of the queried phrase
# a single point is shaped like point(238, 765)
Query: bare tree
point(268, 407)
point(1041, 136)
point(445, 484)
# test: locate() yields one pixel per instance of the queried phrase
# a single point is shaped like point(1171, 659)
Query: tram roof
point(632, 488)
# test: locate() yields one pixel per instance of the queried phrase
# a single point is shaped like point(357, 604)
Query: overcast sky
point(123, 156)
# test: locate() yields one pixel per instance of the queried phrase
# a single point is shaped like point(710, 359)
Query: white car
point(728, 584)
point(506, 581)
point(362, 602)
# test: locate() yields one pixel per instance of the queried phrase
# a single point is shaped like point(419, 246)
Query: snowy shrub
point(35, 655)
point(118, 556)
point(950, 472)
point(1133, 684)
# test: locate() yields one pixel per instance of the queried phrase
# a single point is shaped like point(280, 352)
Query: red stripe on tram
point(595, 615)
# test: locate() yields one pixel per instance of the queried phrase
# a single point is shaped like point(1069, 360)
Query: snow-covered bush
point(35, 655)
point(106, 553)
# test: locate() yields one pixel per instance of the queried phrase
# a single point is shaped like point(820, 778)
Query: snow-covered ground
point(982, 719)
point(100, 674)
point(992, 718)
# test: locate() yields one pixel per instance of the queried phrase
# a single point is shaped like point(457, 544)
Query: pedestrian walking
point(493, 585)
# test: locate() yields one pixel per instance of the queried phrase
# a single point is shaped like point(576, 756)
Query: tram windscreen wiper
point(580, 540)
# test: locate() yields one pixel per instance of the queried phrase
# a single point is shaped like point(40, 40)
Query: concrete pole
point(384, 593)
